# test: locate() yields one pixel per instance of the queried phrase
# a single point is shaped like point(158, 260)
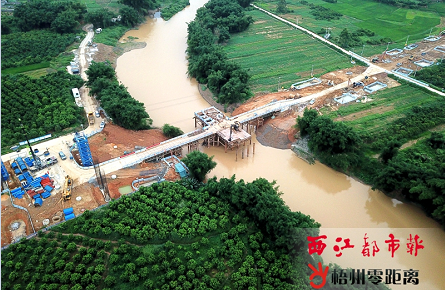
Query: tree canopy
point(142, 6)
point(208, 63)
point(115, 99)
point(199, 164)
point(171, 131)
point(61, 16)
point(45, 105)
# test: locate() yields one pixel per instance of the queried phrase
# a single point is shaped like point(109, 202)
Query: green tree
point(436, 140)
point(65, 22)
point(100, 70)
point(389, 151)
point(345, 38)
point(142, 6)
point(130, 16)
point(199, 164)
point(171, 131)
point(304, 123)
point(282, 6)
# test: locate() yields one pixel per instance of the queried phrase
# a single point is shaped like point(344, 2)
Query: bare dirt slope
point(102, 144)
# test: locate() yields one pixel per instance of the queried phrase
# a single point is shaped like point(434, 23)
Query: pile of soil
point(102, 144)
point(278, 132)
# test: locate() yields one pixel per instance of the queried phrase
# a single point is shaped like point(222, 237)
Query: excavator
point(66, 193)
point(234, 127)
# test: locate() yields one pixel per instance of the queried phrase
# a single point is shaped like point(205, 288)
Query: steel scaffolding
point(84, 149)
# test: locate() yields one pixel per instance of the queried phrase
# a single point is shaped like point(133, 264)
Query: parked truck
point(91, 118)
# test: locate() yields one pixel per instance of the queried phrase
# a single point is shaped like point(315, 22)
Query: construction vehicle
point(66, 193)
point(411, 57)
point(91, 118)
point(235, 127)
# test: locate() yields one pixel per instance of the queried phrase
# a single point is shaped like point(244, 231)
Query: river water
point(157, 76)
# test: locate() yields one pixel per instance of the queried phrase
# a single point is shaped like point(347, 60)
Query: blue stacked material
point(17, 171)
point(84, 149)
point(16, 190)
point(46, 194)
point(29, 161)
point(38, 201)
point(36, 196)
point(14, 165)
point(5, 174)
point(28, 177)
point(26, 185)
point(48, 188)
point(21, 164)
point(69, 217)
point(68, 211)
point(35, 183)
point(45, 176)
point(17, 193)
point(21, 177)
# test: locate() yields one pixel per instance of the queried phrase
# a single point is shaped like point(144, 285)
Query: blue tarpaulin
point(181, 170)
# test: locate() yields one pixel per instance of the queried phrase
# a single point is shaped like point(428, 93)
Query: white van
point(76, 93)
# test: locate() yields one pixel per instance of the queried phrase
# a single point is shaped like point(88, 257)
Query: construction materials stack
point(18, 193)
point(69, 213)
point(5, 174)
point(84, 149)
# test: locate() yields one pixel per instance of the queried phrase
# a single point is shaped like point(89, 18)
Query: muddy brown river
point(346, 208)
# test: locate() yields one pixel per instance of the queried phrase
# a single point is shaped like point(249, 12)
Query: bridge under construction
point(216, 129)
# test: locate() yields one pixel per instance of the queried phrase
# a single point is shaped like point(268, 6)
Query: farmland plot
point(278, 55)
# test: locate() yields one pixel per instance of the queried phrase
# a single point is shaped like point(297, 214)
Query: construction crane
point(66, 193)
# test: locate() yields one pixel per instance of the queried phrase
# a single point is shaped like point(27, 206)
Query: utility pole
point(312, 71)
point(362, 50)
point(431, 30)
point(406, 43)
point(278, 87)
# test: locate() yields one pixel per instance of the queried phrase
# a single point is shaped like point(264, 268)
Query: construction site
point(110, 162)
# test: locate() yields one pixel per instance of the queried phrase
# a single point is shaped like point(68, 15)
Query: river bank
point(157, 76)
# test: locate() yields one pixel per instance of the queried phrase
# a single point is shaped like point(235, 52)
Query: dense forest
point(225, 235)
point(208, 63)
point(44, 105)
point(25, 48)
point(416, 174)
point(38, 32)
point(33, 35)
point(168, 237)
point(115, 99)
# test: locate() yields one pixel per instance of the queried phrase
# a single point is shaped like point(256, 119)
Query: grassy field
point(387, 105)
point(274, 52)
point(386, 21)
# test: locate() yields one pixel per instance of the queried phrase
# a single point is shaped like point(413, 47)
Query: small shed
point(181, 170)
